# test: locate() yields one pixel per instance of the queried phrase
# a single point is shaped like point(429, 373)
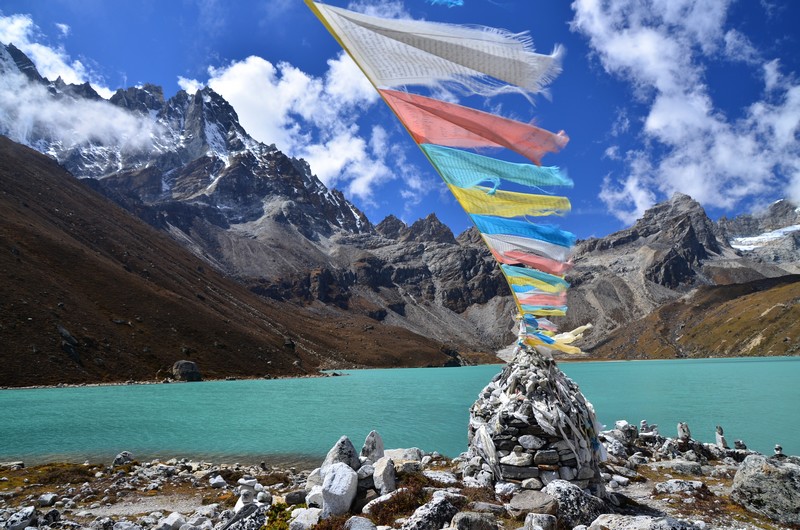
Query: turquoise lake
point(295, 421)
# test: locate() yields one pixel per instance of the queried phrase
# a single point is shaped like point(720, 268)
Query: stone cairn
point(530, 426)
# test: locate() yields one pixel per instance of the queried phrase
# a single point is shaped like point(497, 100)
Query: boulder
point(574, 506)
point(338, 489)
point(217, 482)
point(769, 486)
point(639, 522)
point(384, 475)
point(413, 454)
point(46, 499)
point(682, 486)
point(529, 441)
point(343, 451)
point(680, 465)
point(122, 458)
point(431, 516)
point(531, 501)
point(539, 521)
point(295, 497)
point(474, 521)
point(304, 518)
point(22, 518)
point(314, 497)
point(186, 371)
point(373, 447)
point(359, 523)
point(173, 521)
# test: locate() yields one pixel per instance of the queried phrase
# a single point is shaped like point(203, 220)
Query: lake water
point(295, 421)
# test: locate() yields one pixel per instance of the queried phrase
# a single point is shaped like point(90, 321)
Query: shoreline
point(334, 372)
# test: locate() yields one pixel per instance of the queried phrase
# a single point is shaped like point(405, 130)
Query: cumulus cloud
point(318, 118)
point(663, 49)
point(27, 111)
point(51, 61)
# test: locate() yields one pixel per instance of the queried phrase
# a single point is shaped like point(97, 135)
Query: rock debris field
point(651, 481)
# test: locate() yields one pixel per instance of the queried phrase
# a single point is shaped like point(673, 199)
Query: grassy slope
point(758, 318)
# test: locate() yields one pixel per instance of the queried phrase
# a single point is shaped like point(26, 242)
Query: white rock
point(314, 497)
point(384, 475)
point(517, 458)
point(373, 447)
point(173, 520)
point(314, 478)
point(338, 489)
point(380, 500)
point(217, 481)
point(413, 453)
point(445, 477)
point(304, 518)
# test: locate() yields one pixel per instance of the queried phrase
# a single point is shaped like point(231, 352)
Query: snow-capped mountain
point(187, 167)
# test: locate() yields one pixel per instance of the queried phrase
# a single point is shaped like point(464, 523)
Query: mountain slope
point(671, 250)
point(757, 318)
point(91, 294)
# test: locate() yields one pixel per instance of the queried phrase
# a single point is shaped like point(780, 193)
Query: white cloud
point(663, 48)
point(51, 62)
point(27, 110)
point(380, 8)
point(189, 85)
point(318, 118)
point(64, 29)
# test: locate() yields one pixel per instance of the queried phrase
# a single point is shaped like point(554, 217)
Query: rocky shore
point(649, 482)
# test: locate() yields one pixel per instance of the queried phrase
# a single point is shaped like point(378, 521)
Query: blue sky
point(657, 96)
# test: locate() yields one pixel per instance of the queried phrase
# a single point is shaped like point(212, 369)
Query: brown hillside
point(89, 293)
point(759, 318)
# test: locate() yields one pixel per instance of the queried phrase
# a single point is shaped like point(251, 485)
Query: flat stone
point(474, 521)
point(531, 501)
point(518, 473)
point(639, 522)
point(529, 441)
point(680, 486)
point(532, 484)
point(540, 521)
point(517, 459)
point(413, 453)
point(546, 456)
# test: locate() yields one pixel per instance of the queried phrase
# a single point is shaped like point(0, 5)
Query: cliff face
point(264, 219)
point(92, 294)
point(673, 249)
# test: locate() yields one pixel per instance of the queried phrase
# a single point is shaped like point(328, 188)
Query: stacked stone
point(530, 426)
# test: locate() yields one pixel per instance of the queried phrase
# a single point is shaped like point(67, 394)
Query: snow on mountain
point(754, 242)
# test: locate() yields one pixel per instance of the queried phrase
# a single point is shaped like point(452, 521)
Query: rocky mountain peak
point(429, 229)
point(779, 214)
point(470, 236)
point(20, 61)
point(145, 99)
point(392, 227)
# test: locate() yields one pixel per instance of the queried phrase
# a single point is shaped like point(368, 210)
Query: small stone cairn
point(530, 426)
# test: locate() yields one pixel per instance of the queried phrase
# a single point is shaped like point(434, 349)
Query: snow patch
point(754, 242)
